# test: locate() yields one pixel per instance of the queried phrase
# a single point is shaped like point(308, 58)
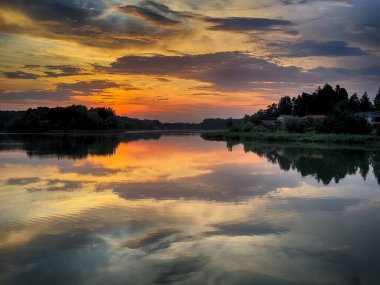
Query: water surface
point(159, 209)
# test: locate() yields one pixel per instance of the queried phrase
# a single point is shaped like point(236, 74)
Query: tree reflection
point(324, 164)
point(69, 146)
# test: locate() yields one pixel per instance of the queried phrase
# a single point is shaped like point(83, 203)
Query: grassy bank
point(282, 136)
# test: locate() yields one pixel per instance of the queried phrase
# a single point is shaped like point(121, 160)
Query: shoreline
point(111, 132)
point(281, 137)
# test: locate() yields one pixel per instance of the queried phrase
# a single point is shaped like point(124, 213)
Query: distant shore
point(111, 132)
point(282, 136)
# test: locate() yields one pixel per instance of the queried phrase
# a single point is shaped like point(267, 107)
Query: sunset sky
point(183, 60)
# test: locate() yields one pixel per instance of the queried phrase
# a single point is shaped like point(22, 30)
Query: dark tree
point(341, 94)
point(326, 100)
point(365, 103)
point(376, 101)
point(354, 103)
point(303, 104)
point(285, 106)
point(272, 111)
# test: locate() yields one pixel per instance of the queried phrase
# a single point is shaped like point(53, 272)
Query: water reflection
point(324, 163)
point(180, 210)
point(71, 146)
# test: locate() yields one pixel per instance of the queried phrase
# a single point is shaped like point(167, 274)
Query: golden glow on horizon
point(35, 44)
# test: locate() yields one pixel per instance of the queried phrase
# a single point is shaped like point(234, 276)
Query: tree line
point(323, 101)
point(78, 117)
point(335, 103)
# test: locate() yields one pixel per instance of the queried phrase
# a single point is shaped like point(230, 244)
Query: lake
point(175, 209)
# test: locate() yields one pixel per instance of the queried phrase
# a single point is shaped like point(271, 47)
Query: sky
point(183, 60)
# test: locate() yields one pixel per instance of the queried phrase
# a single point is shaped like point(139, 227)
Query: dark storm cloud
point(312, 48)
point(233, 71)
point(238, 24)
point(62, 92)
point(20, 75)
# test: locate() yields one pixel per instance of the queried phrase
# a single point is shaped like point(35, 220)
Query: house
point(314, 117)
point(283, 118)
point(269, 123)
point(372, 117)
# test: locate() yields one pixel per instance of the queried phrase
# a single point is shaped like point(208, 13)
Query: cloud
point(20, 75)
point(238, 24)
point(62, 70)
point(91, 23)
point(225, 183)
point(148, 15)
point(22, 181)
point(47, 70)
point(312, 48)
point(87, 87)
point(149, 238)
point(179, 269)
point(62, 91)
point(55, 10)
point(233, 71)
point(224, 70)
point(304, 2)
point(245, 229)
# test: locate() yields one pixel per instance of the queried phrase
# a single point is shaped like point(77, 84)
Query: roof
point(367, 114)
point(315, 117)
point(269, 122)
point(284, 117)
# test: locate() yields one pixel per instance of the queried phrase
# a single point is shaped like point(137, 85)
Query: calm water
point(151, 209)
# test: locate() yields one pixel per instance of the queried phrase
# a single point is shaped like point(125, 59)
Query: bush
point(347, 124)
point(248, 126)
point(260, 128)
point(378, 130)
point(295, 125)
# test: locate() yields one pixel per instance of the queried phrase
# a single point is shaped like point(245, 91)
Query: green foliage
point(231, 125)
point(323, 101)
point(248, 126)
point(260, 129)
point(343, 122)
point(283, 136)
point(296, 125)
point(75, 117)
point(335, 103)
